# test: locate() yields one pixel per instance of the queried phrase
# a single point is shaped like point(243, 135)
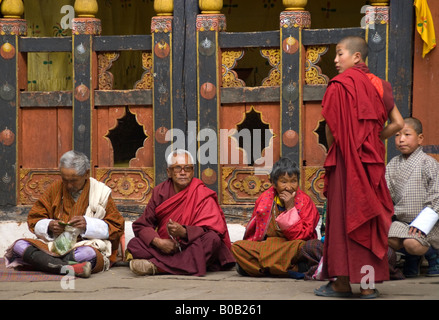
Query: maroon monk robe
point(359, 207)
point(196, 207)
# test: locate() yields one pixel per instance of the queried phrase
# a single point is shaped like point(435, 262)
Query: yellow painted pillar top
point(380, 2)
point(210, 6)
point(164, 7)
point(12, 9)
point(86, 8)
point(294, 5)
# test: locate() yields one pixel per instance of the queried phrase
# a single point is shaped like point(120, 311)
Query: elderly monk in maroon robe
point(356, 107)
point(183, 229)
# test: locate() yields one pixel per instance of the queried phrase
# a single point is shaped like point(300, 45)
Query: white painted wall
point(11, 231)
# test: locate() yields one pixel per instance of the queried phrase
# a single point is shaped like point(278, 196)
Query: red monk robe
point(359, 209)
point(196, 207)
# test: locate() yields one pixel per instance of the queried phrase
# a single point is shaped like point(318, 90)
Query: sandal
point(373, 295)
point(328, 291)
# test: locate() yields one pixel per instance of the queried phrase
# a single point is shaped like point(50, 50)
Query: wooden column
point(209, 23)
point(402, 19)
point(377, 34)
point(184, 64)
point(84, 27)
point(292, 21)
point(377, 37)
point(400, 65)
point(11, 28)
point(161, 30)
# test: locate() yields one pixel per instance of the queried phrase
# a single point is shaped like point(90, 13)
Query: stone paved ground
point(119, 283)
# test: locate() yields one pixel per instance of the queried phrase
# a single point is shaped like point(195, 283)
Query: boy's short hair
point(282, 166)
point(356, 44)
point(415, 123)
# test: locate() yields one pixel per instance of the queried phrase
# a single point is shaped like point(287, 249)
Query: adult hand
point(55, 228)
point(288, 199)
point(176, 230)
point(78, 222)
point(167, 246)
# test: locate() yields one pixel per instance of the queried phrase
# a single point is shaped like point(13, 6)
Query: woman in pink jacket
point(284, 217)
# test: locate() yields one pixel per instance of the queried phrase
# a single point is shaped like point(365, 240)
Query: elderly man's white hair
point(75, 160)
point(178, 152)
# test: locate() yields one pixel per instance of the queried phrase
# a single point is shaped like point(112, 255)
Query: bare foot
point(365, 292)
point(341, 284)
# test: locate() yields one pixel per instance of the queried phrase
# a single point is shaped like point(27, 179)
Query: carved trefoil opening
point(126, 138)
point(253, 136)
point(320, 131)
point(256, 67)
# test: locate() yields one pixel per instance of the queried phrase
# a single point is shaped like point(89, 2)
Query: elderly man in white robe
point(76, 224)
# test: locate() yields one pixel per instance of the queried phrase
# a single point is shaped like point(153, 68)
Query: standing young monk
point(356, 107)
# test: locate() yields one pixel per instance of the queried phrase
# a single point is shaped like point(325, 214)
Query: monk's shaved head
point(356, 44)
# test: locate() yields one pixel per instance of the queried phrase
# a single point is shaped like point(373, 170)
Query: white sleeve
point(96, 229)
point(42, 228)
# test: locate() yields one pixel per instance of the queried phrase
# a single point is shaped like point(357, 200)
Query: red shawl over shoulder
point(355, 112)
point(304, 229)
point(191, 207)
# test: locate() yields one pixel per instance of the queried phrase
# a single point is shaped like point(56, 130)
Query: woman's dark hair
point(282, 166)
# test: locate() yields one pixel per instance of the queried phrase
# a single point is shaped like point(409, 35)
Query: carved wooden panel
point(146, 81)
point(313, 183)
point(242, 185)
point(313, 73)
point(105, 61)
point(273, 56)
point(229, 61)
point(129, 185)
point(33, 183)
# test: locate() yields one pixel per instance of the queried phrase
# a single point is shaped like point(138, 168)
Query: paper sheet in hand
point(425, 220)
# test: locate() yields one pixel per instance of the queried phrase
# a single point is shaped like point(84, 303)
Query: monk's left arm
point(395, 125)
point(193, 233)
